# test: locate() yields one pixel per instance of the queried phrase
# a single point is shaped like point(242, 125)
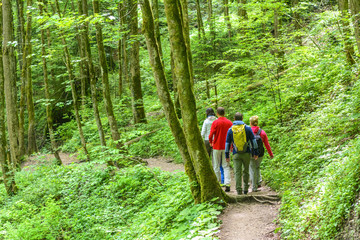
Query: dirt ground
point(241, 221)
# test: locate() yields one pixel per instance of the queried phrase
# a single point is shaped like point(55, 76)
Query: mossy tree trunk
point(83, 10)
point(155, 10)
point(135, 79)
point(355, 10)
point(200, 23)
point(8, 82)
point(209, 185)
point(72, 84)
point(49, 117)
point(346, 32)
point(32, 146)
point(165, 97)
point(105, 79)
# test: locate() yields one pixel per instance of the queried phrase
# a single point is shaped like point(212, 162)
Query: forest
point(89, 90)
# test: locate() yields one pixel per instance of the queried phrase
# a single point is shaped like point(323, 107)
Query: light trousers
point(255, 172)
point(219, 159)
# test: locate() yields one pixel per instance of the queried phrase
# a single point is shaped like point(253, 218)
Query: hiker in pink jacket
point(261, 139)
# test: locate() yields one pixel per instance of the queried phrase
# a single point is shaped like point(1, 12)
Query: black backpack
point(259, 143)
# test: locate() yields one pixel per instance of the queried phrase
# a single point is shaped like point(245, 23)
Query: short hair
point(220, 111)
point(238, 116)
point(254, 120)
point(210, 112)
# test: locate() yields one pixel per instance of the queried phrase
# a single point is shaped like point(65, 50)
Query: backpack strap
point(258, 132)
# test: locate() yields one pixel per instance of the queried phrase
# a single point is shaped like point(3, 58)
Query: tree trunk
point(120, 52)
point(22, 55)
point(199, 19)
point(355, 11)
point(209, 185)
point(82, 5)
point(105, 80)
point(9, 81)
point(135, 80)
point(241, 10)
point(227, 17)
point(32, 146)
point(175, 84)
point(346, 32)
point(155, 10)
point(73, 89)
point(49, 117)
point(165, 98)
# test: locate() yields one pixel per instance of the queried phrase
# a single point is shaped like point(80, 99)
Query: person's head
point(210, 112)
point(254, 120)
point(220, 111)
point(238, 116)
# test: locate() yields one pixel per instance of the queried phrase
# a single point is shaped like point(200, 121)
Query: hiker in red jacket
point(217, 140)
point(262, 138)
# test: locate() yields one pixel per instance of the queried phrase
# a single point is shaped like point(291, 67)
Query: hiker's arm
point(229, 140)
point(203, 130)
point(265, 140)
point(212, 132)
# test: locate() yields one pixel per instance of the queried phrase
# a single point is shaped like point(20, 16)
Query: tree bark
point(9, 81)
point(105, 80)
point(242, 11)
point(209, 185)
point(355, 10)
point(165, 97)
point(135, 79)
point(199, 19)
point(155, 10)
point(32, 146)
point(349, 48)
point(227, 17)
point(82, 5)
point(49, 117)
point(120, 51)
point(73, 89)
point(175, 84)
point(22, 55)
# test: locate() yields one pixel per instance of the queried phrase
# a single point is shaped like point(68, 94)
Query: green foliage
point(89, 202)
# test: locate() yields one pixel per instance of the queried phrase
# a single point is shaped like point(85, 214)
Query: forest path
point(240, 221)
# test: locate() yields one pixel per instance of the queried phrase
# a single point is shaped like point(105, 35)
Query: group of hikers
point(246, 142)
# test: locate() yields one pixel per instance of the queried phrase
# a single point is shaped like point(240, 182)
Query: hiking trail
point(240, 221)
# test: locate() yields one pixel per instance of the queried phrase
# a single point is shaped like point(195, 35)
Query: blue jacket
point(249, 138)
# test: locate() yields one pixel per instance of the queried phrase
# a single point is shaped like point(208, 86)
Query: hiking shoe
point(227, 188)
point(222, 185)
point(245, 192)
point(239, 193)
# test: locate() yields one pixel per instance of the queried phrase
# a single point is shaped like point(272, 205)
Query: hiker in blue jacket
point(241, 158)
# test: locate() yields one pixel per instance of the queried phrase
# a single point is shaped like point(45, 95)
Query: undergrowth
point(89, 202)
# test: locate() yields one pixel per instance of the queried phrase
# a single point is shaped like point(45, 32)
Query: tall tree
point(156, 15)
point(83, 10)
point(32, 146)
point(346, 32)
point(209, 185)
point(242, 10)
point(135, 78)
point(49, 117)
point(72, 84)
point(200, 23)
point(9, 79)
point(165, 97)
point(105, 79)
point(355, 10)
point(227, 17)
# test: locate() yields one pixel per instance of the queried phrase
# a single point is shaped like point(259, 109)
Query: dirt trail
point(241, 221)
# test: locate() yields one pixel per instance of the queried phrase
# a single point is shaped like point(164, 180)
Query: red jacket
point(218, 132)
point(264, 139)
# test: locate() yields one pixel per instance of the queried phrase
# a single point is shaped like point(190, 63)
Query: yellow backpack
point(239, 136)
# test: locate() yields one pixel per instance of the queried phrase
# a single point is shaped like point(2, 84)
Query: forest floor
point(240, 221)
